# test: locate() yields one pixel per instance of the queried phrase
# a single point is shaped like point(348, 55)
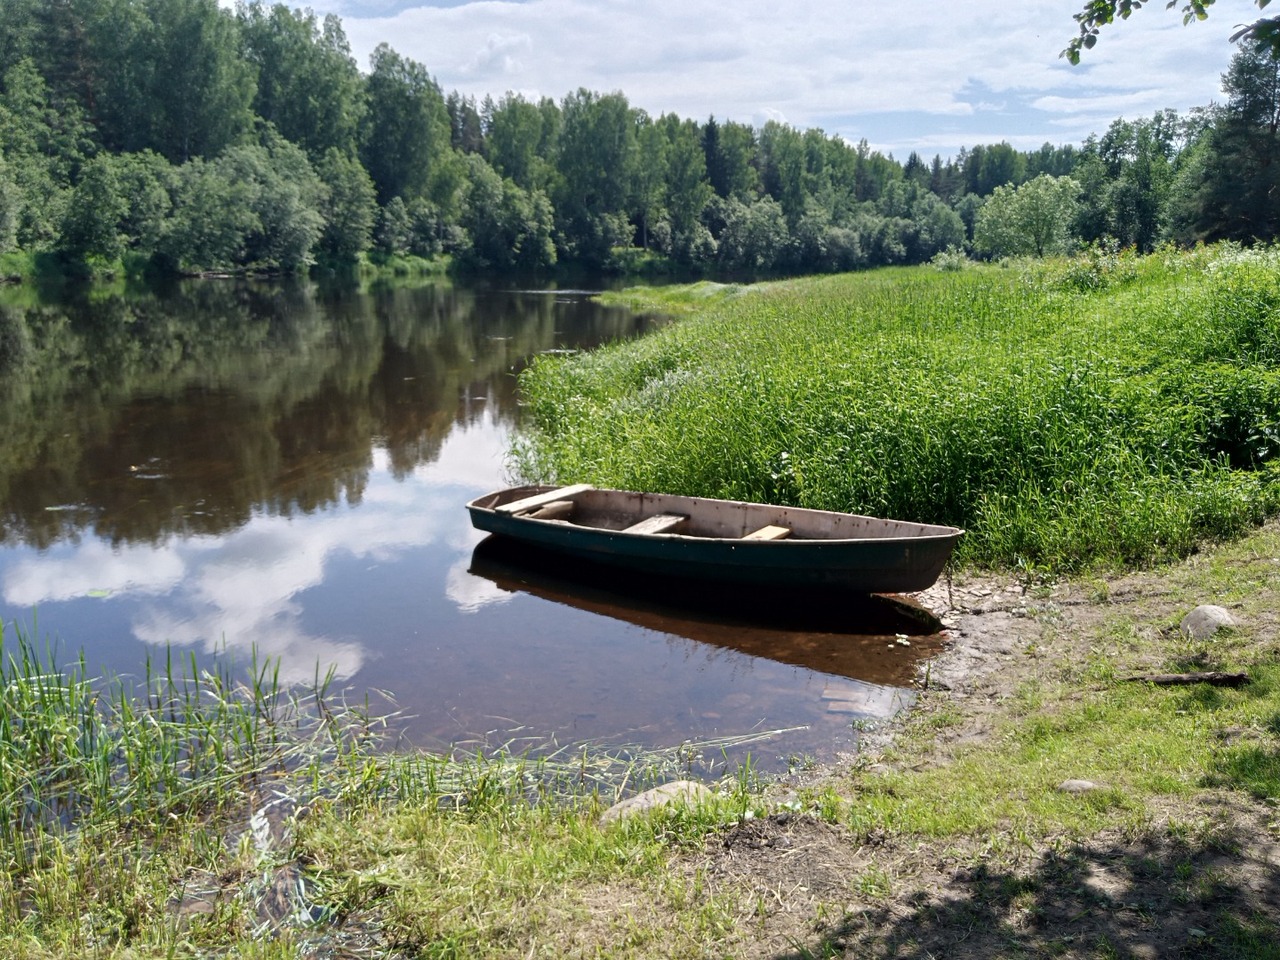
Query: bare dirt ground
point(1161, 891)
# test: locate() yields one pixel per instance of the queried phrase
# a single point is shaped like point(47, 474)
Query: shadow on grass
point(1156, 897)
point(1250, 767)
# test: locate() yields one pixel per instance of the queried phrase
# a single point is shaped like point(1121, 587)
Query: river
point(235, 469)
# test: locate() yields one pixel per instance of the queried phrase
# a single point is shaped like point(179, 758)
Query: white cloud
point(1109, 105)
point(499, 57)
point(892, 73)
point(470, 458)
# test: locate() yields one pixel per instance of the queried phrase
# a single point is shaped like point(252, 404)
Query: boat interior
point(650, 514)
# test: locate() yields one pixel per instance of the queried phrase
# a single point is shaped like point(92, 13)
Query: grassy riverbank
point(190, 815)
point(187, 815)
point(1109, 410)
point(207, 820)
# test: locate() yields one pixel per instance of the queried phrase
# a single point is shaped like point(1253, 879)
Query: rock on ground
point(1206, 620)
point(678, 791)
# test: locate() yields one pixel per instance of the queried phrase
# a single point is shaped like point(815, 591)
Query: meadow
point(1105, 411)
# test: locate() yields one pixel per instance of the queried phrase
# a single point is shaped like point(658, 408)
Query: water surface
point(223, 468)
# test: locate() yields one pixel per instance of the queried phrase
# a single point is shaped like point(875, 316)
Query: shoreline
point(1192, 869)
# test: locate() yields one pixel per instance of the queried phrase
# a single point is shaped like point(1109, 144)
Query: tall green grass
point(113, 793)
point(1105, 410)
point(136, 818)
point(77, 752)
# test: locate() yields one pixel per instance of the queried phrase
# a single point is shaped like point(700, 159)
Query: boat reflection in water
point(868, 648)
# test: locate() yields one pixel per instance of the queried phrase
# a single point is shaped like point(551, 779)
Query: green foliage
point(212, 216)
point(1231, 187)
point(394, 232)
point(308, 86)
point(596, 162)
point(1125, 178)
point(647, 201)
point(17, 266)
point(687, 191)
point(791, 168)
point(508, 228)
point(951, 260)
point(201, 89)
point(146, 182)
point(985, 168)
point(638, 262)
point(753, 237)
point(120, 799)
point(255, 206)
point(350, 206)
point(928, 225)
point(104, 103)
point(432, 231)
point(107, 65)
point(1032, 219)
point(1263, 33)
point(1059, 430)
point(42, 146)
point(1095, 267)
point(35, 128)
point(287, 204)
point(91, 223)
point(522, 140)
point(465, 126)
point(405, 138)
point(10, 208)
point(730, 150)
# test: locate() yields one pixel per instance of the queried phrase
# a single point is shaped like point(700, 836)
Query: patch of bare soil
point(1201, 879)
point(818, 891)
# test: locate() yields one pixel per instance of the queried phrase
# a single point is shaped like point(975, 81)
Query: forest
point(178, 137)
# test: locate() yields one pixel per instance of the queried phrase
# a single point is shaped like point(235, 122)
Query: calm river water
point(229, 467)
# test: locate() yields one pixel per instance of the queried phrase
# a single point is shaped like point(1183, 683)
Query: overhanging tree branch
point(1264, 33)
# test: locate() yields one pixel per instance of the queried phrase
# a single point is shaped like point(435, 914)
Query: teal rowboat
point(721, 541)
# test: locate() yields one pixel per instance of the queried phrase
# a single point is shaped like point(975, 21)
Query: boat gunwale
point(935, 532)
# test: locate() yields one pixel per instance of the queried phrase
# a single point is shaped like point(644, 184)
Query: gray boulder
point(678, 791)
point(1078, 786)
point(1206, 620)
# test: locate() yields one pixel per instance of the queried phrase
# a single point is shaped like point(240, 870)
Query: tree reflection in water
point(239, 468)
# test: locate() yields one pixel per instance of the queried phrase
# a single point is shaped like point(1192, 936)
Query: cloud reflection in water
point(244, 591)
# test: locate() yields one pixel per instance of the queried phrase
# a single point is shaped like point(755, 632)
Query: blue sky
point(905, 74)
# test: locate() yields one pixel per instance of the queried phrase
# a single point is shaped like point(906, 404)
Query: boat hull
point(862, 554)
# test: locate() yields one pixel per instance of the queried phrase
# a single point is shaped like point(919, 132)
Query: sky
point(903, 74)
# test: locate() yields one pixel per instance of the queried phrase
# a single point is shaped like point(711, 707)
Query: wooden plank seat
point(527, 504)
point(658, 523)
point(555, 510)
point(769, 532)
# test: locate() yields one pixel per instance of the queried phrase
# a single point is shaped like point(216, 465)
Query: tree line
point(182, 137)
